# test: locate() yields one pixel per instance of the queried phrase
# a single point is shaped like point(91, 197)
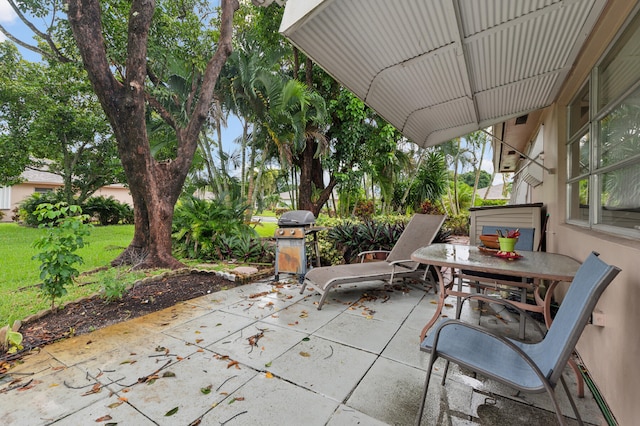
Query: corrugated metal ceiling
point(439, 69)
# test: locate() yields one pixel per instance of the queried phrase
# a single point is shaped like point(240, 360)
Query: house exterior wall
point(119, 193)
point(21, 191)
point(610, 353)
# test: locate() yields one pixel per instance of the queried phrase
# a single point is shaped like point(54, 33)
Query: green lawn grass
point(20, 274)
point(266, 229)
point(20, 295)
point(266, 213)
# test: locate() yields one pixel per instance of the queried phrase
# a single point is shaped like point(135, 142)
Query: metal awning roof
point(439, 69)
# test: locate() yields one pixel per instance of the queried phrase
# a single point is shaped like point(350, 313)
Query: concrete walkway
point(262, 354)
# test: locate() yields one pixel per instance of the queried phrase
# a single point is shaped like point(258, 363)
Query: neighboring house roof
point(37, 176)
point(495, 192)
point(42, 177)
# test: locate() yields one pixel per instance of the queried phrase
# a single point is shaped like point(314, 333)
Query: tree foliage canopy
point(52, 121)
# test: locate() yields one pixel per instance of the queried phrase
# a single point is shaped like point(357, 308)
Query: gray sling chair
point(419, 232)
point(527, 367)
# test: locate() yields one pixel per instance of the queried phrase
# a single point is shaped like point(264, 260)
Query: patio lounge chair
point(532, 368)
point(419, 232)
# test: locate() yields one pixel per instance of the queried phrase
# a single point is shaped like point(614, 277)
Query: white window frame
point(592, 129)
point(5, 197)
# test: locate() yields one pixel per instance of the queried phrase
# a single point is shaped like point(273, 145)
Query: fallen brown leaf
point(94, 389)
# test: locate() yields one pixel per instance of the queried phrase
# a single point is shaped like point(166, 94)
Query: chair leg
point(323, 298)
point(304, 285)
point(423, 401)
point(459, 299)
point(444, 372)
point(556, 405)
point(571, 401)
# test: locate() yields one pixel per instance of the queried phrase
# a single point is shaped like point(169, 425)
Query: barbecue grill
point(291, 243)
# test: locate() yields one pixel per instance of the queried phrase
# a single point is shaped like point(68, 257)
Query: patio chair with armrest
point(419, 232)
point(527, 367)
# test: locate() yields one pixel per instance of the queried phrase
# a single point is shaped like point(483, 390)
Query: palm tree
point(477, 140)
point(293, 124)
point(457, 157)
point(242, 91)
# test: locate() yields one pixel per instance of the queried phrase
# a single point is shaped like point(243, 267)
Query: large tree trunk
point(311, 176)
point(155, 186)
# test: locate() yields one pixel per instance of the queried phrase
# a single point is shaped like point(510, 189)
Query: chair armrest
point(405, 263)
point(508, 303)
point(362, 254)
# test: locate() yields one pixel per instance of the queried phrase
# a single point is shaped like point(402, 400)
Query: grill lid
point(297, 218)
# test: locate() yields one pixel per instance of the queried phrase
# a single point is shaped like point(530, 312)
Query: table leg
point(441, 296)
point(316, 247)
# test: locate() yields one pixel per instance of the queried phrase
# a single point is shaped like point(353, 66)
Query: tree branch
point(35, 49)
point(157, 106)
point(140, 17)
point(46, 37)
point(195, 83)
point(85, 18)
point(214, 66)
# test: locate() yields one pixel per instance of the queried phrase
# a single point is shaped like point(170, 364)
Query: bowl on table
point(490, 241)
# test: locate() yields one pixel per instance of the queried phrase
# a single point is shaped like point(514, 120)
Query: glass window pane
point(579, 200)
point(579, 111)
point(620, 131)
point(620, 197)
point(579, 154)
point(619, 70)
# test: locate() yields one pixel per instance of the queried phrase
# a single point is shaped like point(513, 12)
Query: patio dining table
point(551, 267)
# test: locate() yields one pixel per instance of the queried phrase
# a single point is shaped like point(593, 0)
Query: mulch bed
point(93, 313)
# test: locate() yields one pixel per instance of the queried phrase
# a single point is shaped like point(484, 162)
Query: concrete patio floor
point(262, 354)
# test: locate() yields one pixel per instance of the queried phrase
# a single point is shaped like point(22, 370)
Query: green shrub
point(348, 237)
point(27, 208)
point(329, 252)
point(12, 339)
point(199, 227)
point(364, 209)
point(113, 288)
point(65, 232)
point(352, 238)
point(246, 248)
point(108, 211)
point(458, 225)
point(428, 207)
point(483, 202)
